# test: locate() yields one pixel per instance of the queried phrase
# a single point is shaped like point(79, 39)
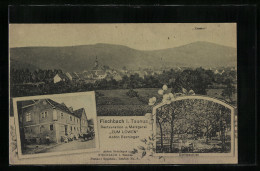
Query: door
point(66, 129)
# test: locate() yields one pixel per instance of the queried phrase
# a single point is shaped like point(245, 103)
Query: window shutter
point(55, 117)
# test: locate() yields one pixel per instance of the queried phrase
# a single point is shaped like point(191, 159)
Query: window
point(70, 118)
point(74, 119)
point(44, 114)
point(61, 115)
point(28, 117)
point(51, 127)
point(77, 120)
point(74, 129)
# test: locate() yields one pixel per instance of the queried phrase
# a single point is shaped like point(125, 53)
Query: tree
point(229, 90)
point(197, 80)
point(163, 116)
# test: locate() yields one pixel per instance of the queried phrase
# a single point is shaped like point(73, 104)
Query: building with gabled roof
point(60, 77)
point(46, 117)
point(72, 76)
point(81, 113)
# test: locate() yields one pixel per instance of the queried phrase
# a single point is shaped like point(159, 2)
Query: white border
point(233, 152)
point(21, 156)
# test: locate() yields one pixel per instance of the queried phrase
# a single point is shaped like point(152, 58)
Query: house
point(117, 77)
point(98, 74)
point(47, 117)
point(72, 76)
point(219, 72)
point(59, 77)
point(81, 114)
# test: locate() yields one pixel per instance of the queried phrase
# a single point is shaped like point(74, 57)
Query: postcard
point(148, 93)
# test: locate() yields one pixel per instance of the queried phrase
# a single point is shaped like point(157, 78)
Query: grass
point(117, 103)
point(119, 97)
point(123, 110)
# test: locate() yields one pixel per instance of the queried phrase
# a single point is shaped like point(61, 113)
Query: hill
point(78, 58)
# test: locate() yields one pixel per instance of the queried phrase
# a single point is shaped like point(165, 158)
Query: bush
point(131, 93)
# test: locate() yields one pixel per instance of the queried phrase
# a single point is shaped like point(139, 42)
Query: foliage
point(229, 89)
point(194, 118)
point(25, 82)
point(197, 80)
point(131, 93)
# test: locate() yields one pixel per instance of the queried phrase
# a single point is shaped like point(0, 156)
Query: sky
point(79, 101)
point(152, 36)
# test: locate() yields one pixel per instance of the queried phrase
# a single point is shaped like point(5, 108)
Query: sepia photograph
point(56, 124)
point(125, 64)
point(194, 124)
point(182, 76)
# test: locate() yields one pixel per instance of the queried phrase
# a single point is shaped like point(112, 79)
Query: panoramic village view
point(125, 91)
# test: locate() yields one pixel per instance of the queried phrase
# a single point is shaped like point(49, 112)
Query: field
point(117, 103)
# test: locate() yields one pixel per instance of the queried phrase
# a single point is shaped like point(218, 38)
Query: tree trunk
point(171, 141)
point(222, 135)
point(207, 137)
point(160, 125)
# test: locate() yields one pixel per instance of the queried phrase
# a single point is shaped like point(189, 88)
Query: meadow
point(118, 103)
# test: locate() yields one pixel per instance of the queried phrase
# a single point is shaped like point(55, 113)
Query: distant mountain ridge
point(82, 57)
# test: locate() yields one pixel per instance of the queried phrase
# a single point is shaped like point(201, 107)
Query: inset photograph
point(56, 124)
point(195, 124)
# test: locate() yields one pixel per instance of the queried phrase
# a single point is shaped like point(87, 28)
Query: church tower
point(96, 63)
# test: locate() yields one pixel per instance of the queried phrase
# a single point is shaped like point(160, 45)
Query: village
point(125, 89)
point(99, 72)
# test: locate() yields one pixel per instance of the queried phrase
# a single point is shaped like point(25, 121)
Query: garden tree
point(162, 118)
point(193, 117)
point(229, 90)
point(207, 123)
point(224, 123)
